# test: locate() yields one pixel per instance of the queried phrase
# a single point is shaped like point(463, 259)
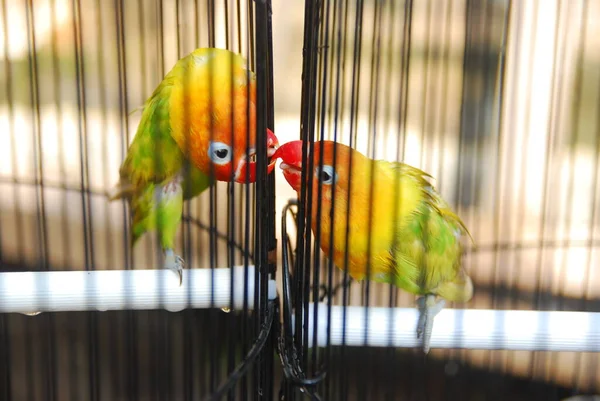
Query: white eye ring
point(219, 153)
point(327, 175)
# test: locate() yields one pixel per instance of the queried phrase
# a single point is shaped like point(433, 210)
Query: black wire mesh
point(75, 80)
point(489, 98)
point(497, 99)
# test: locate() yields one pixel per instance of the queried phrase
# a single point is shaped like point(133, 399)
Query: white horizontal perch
point(460, 328)
point(54, 291)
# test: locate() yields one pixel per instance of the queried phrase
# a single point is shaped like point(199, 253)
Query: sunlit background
point(511, 134)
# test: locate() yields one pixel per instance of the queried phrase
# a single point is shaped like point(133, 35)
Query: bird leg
point(167, 193)
point(428, 308)
point(175, 263)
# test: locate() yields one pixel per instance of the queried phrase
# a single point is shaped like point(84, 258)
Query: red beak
point(250, 167)
point(291, 157)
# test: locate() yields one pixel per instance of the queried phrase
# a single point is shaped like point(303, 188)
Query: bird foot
point(175, 263)
point(428, 308)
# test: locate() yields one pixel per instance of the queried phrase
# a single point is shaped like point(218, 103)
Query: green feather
point(426, 255)
point(426, 258)
point(153, 160)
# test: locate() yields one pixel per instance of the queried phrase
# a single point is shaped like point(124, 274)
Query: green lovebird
point(203, 112)
point(415, 239)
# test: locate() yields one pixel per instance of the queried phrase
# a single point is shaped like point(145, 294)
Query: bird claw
point(175, 263)
point(428, 308)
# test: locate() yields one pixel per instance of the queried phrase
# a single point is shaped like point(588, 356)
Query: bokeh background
point(521, 172)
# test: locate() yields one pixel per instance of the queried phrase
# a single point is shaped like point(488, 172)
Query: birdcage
point(114, 325)
point(498, 101)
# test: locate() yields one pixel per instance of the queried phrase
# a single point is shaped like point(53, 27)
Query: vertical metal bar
point(264, 236)
point(257, 228)
point(110, 260)
point(372, 111)
point(213, 210)
point(342, 35)
point(42, 232)
point(199, 320)
point(246, 325)
point(354, 106)
point(405, 57)
point(271, 236)
point(421, 371)
point(37, 140)
point(231, 323)
point(244, 221)
point(390, 357)
point(189, 344)
point(320, 95)
point(301, 272)
point(440, 122)
point(130, 318)
point(56, 78)
point(159, 336)
point(335, 61)
point(93, 356)
point(122, 82)
point(74, 382)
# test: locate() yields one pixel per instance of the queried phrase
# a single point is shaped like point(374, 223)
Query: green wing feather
point(153, 155)
point(426, 256)
point(152, 161)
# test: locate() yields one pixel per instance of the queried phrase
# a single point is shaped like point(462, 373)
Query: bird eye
point(219, 153)
point(326, 175)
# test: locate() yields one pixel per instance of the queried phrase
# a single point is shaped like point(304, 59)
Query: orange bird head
point(212, 111)
point(334, 179)
point(333, 176)
point(237, 161)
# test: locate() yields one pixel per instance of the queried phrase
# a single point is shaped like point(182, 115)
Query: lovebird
point(200, 114)
point(415, 239)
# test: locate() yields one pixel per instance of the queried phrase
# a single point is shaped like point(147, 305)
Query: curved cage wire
point(498, 101)
point(76, 75)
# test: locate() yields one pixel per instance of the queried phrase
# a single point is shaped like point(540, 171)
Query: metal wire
point(497, 99)
point(83, 81)
point(459, 89)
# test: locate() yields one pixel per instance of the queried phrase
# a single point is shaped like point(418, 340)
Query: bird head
point(238, 162)
point(330, 165)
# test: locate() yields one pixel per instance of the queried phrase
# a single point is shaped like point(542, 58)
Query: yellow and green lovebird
point(200, 112)
point(414, 236)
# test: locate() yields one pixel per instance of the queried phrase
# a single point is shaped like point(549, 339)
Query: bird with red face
point(198, 127)
point(399, 229)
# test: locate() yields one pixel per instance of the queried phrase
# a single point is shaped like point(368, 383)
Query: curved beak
point(291, 162)
point(246, 167)
point(272, 145)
